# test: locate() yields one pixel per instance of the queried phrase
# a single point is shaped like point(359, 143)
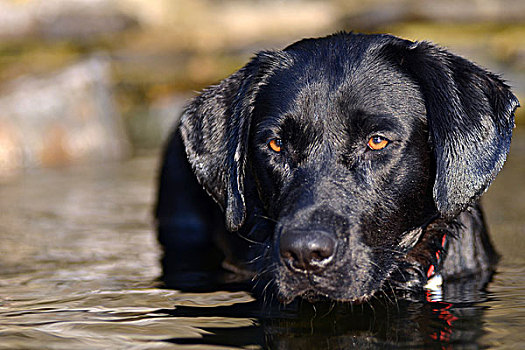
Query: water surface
point(79, 268)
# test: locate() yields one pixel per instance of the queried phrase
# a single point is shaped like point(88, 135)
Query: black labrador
point(343, 168)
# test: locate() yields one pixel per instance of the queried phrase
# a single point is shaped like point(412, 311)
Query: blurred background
point(85, 81)
point(89, 90)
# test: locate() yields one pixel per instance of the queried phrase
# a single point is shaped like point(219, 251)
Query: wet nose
point(306, 251)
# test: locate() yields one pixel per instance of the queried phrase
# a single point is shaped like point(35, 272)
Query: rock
point(61, 19)
point(150, 127)
point(384, 13)
point(63, 118)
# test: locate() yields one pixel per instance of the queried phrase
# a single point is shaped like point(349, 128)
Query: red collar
point(432, 268)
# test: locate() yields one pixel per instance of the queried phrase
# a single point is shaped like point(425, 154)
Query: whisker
point(255, 259)
point(401, 273)
point(382, 249)
point(266, 217)
point(387, 297)
point(248, 239)
point(376, 266)
point(394, 294)
point(312, 319)
point(332, 305)
point(264, 291)
point(373, 310)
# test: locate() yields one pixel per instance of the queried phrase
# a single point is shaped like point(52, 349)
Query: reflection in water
point(79, 268)
point(339, 327)
point(301, 325)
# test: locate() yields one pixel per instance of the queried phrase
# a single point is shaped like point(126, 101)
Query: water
point(79, 268)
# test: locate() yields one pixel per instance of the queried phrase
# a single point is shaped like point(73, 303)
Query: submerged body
point(342, 168)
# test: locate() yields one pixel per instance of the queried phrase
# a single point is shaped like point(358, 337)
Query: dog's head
point(350, 144)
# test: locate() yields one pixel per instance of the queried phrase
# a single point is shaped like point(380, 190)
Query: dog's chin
point(314, 296)
point(308, 295)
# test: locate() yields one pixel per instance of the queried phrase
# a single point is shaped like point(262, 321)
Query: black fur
point(327, 216)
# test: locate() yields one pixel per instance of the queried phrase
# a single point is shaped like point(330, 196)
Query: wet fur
point(449, 123)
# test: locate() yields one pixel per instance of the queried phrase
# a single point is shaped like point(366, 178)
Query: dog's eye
point(275, 145)
point(377, 143)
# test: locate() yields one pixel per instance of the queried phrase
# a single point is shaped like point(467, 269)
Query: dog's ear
point(470, 115)
point(215, 128)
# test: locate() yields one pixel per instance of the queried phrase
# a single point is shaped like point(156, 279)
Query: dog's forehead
point(329, 81)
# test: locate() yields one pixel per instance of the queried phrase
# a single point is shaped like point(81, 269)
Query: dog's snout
point(307, 251)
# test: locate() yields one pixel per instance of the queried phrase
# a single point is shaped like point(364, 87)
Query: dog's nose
point(307, 251)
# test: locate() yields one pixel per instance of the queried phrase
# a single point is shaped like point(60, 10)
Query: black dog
point(345, 167)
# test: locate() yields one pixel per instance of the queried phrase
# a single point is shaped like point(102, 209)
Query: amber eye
point(275, 145)
point(377, 142)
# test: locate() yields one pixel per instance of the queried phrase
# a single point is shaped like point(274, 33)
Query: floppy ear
point(470, 116)
point(215, 128)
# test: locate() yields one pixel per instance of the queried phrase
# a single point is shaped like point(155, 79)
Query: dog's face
point(345, 168)
point(350, 144)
